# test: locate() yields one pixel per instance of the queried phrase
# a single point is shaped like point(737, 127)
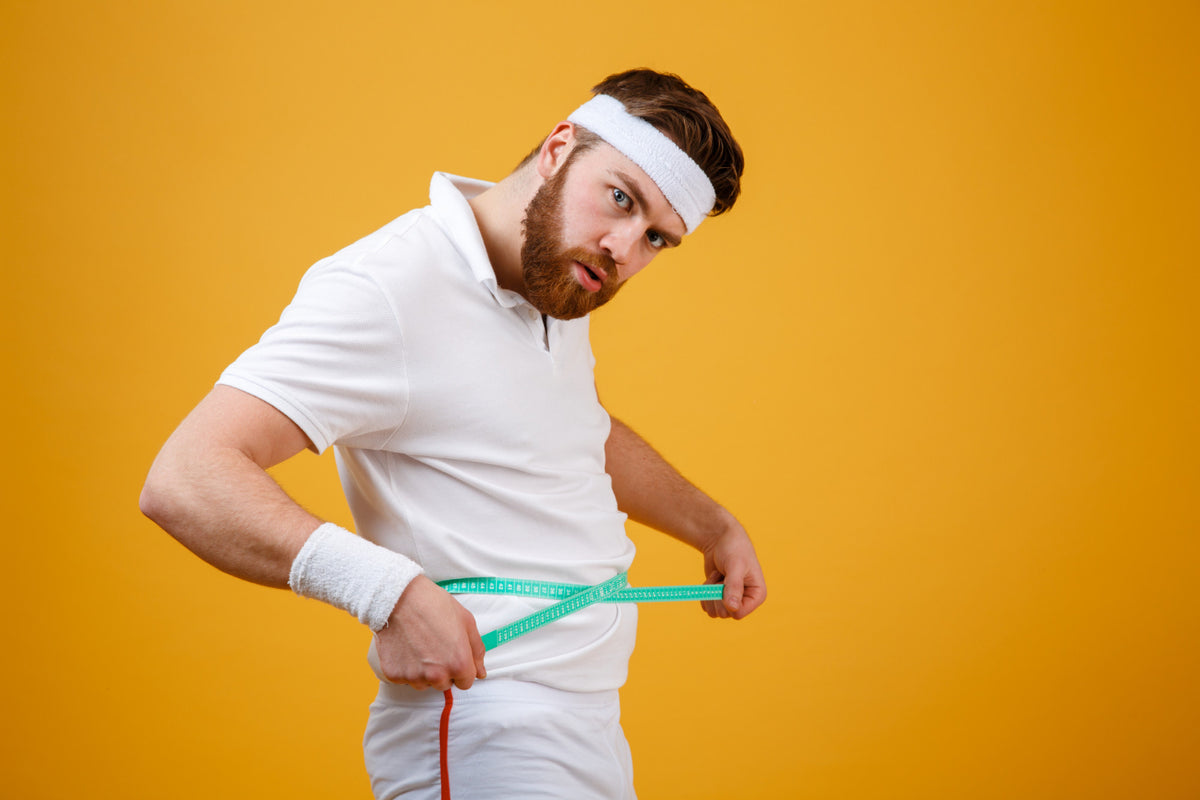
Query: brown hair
point(687, 117)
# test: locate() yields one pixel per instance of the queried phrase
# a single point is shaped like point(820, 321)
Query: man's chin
point(561, 296)
point(567, 312)
point(567, 307)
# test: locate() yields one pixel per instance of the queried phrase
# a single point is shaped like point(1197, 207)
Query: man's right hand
point(430, 641)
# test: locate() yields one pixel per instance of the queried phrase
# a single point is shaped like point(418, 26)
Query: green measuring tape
point(572, 597)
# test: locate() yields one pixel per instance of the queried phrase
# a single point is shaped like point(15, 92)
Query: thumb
point(732, 596)
point(478, 651)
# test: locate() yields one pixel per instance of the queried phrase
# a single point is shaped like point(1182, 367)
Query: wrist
point(350, 573)
point(714, 527)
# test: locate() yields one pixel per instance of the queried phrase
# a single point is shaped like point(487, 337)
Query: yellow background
point(941, 359)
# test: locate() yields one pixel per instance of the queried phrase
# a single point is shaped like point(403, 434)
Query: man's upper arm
point(231, 418)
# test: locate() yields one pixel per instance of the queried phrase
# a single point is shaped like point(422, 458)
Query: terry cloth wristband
point(681, 180)
point(347, 571)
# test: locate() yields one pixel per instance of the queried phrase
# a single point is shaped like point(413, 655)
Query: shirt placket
point(538, 327)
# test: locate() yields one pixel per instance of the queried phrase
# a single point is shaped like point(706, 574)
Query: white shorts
point(501, 739)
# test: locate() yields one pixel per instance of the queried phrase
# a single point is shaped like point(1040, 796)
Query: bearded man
point(446, 358)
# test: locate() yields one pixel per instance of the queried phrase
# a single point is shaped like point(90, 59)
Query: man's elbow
point(160, 497)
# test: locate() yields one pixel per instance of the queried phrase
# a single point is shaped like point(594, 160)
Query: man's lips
point(589, 277)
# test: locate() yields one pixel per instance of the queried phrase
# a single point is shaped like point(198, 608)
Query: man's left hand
point(731, 559)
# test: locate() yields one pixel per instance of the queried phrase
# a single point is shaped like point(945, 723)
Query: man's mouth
point(590, 278)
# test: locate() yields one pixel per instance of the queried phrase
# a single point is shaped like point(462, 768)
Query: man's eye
point(656, 239)
point(621, 198)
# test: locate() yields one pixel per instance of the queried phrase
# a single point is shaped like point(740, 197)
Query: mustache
point(593, 261)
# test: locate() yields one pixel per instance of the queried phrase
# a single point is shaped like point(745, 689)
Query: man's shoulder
point(444, 232)
point(407, 259)
point(413, 226)
point(412, 238)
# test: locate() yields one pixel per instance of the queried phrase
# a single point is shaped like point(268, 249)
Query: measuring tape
point(572, 597)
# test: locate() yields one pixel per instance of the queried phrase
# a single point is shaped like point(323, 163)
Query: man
point(446, 357)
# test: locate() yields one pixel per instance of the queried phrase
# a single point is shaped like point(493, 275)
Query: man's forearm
point(654, 493)
point(230, 513)
point(210, 490)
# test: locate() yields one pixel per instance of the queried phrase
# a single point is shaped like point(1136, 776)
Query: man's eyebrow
point(635, 191)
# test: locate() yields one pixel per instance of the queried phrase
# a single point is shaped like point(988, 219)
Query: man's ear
point(555, 148)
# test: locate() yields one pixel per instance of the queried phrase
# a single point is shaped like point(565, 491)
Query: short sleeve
point(334, 363)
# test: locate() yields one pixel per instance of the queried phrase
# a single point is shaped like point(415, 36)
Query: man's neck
point(499, 212)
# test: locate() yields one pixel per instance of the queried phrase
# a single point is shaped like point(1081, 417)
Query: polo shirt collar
point(448, 195)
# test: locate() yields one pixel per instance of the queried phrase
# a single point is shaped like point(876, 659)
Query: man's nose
point(619, 244)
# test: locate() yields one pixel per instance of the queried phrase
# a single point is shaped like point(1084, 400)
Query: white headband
point(683, 183)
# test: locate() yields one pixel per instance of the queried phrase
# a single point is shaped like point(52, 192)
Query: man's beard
point(548, 266)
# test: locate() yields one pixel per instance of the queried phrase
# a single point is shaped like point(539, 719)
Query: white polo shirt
point(468, 433)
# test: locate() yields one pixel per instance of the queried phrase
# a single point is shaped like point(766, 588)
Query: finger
point(439, 678)
point(462, 672)
point(753, 597)
point(478, 652)
point(716, 609)
point(463, 667)
point(713, 608)
point(732, 598)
